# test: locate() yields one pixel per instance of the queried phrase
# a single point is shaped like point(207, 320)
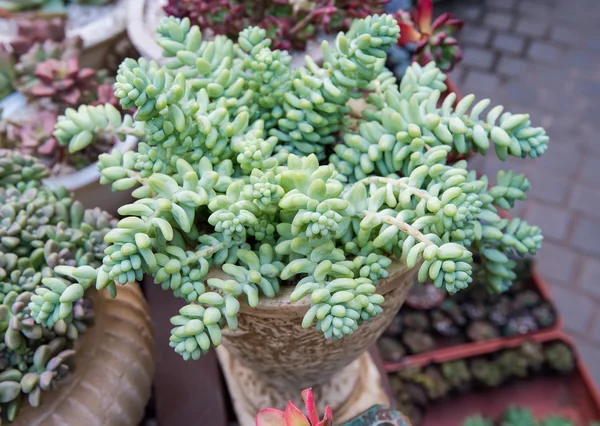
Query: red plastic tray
point(573, 396)
point(443, 353)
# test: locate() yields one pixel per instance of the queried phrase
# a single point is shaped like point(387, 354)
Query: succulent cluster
point(289, 23)
point(232, 172)
point(43, 234)
point(518, 416)
point(432, 41)
point(47, 72)
point(472, 315)
point(416, 388)
point(46, 5)
point(293, 416)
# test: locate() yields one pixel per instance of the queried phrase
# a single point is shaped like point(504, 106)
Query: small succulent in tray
point(533, 353)
point(443, 324)
point(486, 372)
point(417, 341)
point(513, 363)
point(559, 357)
point(478, 421)
point(390, 349)
point(516, 416)
point(457, 375)
point(478, 331)
point(417, 321)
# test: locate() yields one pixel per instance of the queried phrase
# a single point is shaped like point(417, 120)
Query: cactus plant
point(293, 416)
point(232, 172)
point(43, 236)
point(289, 23)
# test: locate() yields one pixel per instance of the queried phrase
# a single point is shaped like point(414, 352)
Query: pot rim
point(108, 26)
point(267, 306)
point(73, 181)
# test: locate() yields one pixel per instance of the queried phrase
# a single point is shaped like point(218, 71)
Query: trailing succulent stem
point(231, 172)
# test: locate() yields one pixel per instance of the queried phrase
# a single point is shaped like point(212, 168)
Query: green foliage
point(43, 234)
point(45, 5)
point(231, 172)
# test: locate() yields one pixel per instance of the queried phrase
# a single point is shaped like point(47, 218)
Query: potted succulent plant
point(423, 41)
point(99, 23)
point(292, 225)
point(48, 78)
point(44, 235)
point(296, 26)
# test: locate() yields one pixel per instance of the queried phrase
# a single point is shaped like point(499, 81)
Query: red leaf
point(328, 419)
point(295, 417)
point(408, 34)
point(270, 417)
point(311, 406)
point(424, 13)
point(41, 90)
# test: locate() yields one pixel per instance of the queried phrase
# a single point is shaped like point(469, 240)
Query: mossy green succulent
point(232, 172)
point(43, 233)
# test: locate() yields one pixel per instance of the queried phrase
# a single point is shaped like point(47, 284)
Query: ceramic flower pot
point(100, 27)
point(275, 358)
point(85, 183)
point(144, 16)
point(115, 366)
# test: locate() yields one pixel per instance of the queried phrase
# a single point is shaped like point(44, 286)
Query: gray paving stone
point(498, 20)
point(509, 43)
point(548, 186)
point(544, 51)
point(585, 199)
point(557, 263)
point(531, 28)
point(479, 58)
point(576, 309)
point(473, 35)
point(586, 236)
point(481, 83)
point(590, 354)
point(512, 67)
point(590, 276)
point(501, 4)
point(565, 35)
point(591, 169)
point(554, 221)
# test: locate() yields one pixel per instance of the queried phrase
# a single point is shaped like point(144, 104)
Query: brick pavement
point(543, 57)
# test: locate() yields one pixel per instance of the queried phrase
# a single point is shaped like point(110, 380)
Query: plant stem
point(395, 182)
point(418, 235)
point(205, 252)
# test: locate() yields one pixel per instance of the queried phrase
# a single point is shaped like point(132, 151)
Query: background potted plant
point(48, 78)
point(43, 235)
point(296, 26)
point(294, 198)
point(99, 23)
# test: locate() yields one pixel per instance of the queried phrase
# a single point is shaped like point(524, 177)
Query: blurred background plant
point(46, 5)
point(289, 23)
point(42, 64)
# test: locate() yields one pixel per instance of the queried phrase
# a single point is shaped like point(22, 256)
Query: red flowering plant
point(293, 416)
point(289, 23)
point(434, 42)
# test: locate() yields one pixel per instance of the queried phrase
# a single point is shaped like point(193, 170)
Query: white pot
point(85, 183)
point(100, 27)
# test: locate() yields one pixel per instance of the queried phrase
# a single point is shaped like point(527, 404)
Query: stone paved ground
point(543, 57)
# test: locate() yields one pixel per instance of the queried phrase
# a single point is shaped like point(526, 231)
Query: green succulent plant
point(478, 421)
point(266, 172)
point(43, 234)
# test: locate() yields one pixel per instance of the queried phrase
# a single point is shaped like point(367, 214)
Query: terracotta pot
point(100, 27)
point(112, 383)
point(144, 16)
point(85, 183)
point(277, 358)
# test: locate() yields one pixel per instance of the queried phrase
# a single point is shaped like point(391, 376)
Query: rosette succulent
point(265, 173)
point(44, 235)
point(293, 416)
point(432, 41)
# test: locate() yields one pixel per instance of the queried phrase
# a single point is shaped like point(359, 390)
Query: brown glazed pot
point(115, 366)
point(276, 358)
